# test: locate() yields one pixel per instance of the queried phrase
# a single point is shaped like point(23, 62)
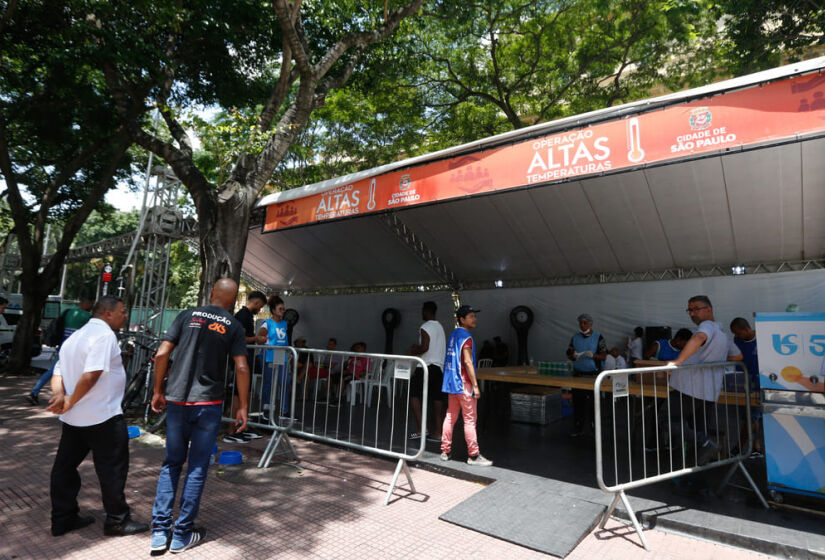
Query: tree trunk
point(223, 241)
point(35, 292)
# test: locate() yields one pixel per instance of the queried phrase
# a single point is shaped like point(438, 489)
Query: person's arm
point(242, 378)
point(419, 349)
point(696, 341)
point(467, 358)
point(601, 350)
point(571, 351)
point(734, 353)
point(262, 335)
point(84, 385)
point(58, 392)
point(161, 367)
point(810, 386)
point(652, 350)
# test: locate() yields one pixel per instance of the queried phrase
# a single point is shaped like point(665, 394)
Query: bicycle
point(140, 388)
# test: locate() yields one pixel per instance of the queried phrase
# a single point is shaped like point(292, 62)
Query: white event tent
point(622, 213)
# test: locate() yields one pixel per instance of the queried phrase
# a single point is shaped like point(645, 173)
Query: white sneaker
point(479, 461)
point(445, 456)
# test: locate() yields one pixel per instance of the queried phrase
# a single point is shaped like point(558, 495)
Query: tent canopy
point(729, 174)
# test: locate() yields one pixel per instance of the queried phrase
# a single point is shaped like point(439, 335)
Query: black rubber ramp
point(525, 515)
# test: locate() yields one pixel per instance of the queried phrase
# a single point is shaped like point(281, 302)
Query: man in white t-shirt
point(88, 384)
point(697, 390)
point(432, 347)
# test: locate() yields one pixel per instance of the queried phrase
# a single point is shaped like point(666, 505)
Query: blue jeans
point(192, 429)
point(45, 378)
point(284, 386)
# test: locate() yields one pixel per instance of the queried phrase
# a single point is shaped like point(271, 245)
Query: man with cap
point(461, 385)
point(584, 349)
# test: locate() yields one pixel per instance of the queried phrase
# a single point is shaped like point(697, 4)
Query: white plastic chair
point(485, 363)
point(359, 386)
point(383, 379)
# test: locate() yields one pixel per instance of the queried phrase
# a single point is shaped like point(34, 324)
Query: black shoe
point(32, 399)
point(707, 452)
point(78, 523)
point(249, 436)
point(128, 527)
point(234, 438)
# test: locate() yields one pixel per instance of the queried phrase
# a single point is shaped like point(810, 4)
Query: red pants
point(469, 406)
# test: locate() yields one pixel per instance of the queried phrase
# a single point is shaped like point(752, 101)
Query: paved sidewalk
point(330, 507)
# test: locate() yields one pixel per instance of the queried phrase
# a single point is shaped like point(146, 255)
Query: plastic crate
point(536, 405)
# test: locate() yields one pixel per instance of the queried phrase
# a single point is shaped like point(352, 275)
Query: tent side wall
point(616, 309)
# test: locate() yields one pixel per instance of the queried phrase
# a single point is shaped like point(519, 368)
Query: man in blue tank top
point(585, 348)
point(667, 350)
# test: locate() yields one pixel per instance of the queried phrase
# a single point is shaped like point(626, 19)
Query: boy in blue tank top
point(462, 388)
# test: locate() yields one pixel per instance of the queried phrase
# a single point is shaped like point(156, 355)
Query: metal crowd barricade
point(332, 402)
point(273, 372)
point(655, 434)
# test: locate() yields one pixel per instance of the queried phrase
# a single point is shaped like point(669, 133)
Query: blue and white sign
point(791, 350)
point(796, 453)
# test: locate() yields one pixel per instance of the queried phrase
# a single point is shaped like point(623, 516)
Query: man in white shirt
point(88, 385)
point(698, 390)
point(432, 347)
point(634, 345)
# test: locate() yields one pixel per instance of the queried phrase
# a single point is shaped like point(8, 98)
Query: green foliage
point(54, 105)
point(489, 66)
point(761, 34)
point(184, 276)
point(224, 138)
point(105, 223)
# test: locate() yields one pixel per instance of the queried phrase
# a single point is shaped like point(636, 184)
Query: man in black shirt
point(255, 301)
point(204, 339)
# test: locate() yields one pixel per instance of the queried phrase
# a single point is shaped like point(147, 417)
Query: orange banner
point(769, 112)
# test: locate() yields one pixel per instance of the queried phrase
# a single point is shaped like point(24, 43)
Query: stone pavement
point(331, 506)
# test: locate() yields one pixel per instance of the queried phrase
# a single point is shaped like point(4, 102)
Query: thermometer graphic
point(371, 202)
point(636, 153)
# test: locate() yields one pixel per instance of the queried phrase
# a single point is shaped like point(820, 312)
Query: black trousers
point(583, 403)
point(109, 444)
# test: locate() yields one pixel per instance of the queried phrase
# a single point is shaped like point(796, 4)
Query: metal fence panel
point(356, 400)
point(647, 431)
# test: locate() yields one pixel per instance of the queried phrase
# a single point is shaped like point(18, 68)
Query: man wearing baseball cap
point(461, 385)
point(584, 349)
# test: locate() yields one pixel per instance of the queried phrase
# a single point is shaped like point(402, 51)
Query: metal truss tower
point(145, 274)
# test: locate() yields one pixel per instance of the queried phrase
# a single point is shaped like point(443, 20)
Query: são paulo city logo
point(700, 118)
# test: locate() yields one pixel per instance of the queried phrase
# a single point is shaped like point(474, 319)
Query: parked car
point(8, 324)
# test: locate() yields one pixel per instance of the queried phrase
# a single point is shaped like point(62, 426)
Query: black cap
point(464, 310)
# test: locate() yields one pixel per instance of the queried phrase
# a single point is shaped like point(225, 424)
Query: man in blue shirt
point(666, 350)
point(745, 339)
